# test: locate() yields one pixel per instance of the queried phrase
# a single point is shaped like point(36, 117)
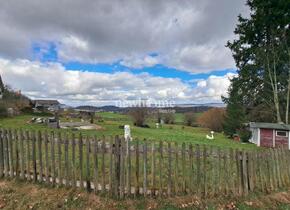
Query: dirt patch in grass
point(21, 195)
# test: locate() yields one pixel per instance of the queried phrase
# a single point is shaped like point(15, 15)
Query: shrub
point(212, 119)
point(139, 115)
point(169, 118)
point(244, 134)
point(3, 111)
point(189, 118)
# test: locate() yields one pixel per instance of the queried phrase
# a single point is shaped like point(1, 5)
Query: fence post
point(145, 168)
point(39, 138)
point(16, 148)
point(96, 165)
point(183, 168)
point(88, 182)
point(160, 192)
point(73, 165)
point(52, 145)
point(34, 156)
point(46, 157)
point(111, 175)
point(176, 171)
point(169, 188)
point(27, 138)
point(81, 160)
point(10, 150)
point(1, 154)
point(103, 147)
point(128, 162)
point(117, 166)
point(153, 170)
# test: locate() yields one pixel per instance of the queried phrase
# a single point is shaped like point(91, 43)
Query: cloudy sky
point(99, 52)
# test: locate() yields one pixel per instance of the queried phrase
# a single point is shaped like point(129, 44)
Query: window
point(282, 133)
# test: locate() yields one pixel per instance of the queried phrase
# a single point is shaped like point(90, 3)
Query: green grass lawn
point(112, 121)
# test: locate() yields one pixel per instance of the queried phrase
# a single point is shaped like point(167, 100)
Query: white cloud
point(75, 87)
point(189, 36)
point(140, 62)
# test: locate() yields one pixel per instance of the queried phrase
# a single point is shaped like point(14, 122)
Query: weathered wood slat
point(96, 165)
point(204, 171)
point(103, 166)
point(128, 162)
point(160, 169)
point(169, 184)
point(52, 150)
point(111, 172)
point(80, 144)
point(10, 150)
point(145, 168)
point(153, 167)
point(1, 154)
point(176, 172)
point(88, 175)
point(46, 141)
point(183, 159)
point(39, 141)
point(59, 158)
point(73, 161)
point(66, 160)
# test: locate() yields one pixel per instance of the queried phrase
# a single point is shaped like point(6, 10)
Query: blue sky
point(48, 52)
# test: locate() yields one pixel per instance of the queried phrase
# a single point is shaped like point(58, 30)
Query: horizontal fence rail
point(119, 168)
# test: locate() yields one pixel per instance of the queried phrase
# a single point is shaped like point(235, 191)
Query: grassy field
point(112, 121)
point(13, 195)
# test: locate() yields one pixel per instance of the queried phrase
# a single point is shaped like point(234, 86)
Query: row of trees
point(12, 99)
point(213, 118)
point(261, 91)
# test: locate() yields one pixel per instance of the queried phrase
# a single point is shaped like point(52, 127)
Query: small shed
point(270, 134)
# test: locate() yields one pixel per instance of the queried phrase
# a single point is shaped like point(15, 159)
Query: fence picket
point(34, 156)
point(103, 147)
point(88, 183)
point(52, 149)
point(16, 150)
point(66, 164)
point(128, 162)
point(73, 161)
point(153, 170)
point(39, 140)
point(111, 175)
point(46, 157)
point(1, 154)
point(183, 159)
point(59, 159)
point(10, 150)
point(96, 163)
point(27, 138)
point(81, 160)
point(145, 168)
point(176, 172)
point(160, 168)
point(169, 187)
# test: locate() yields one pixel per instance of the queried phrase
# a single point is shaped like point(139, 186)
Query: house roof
point(46, 102)
point(269, 125)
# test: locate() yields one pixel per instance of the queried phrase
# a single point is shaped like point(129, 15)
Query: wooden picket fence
point(117, 168)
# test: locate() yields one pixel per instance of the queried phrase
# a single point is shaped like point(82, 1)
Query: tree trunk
point(274, 85)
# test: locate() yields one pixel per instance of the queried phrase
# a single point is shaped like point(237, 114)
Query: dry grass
point(22, 195)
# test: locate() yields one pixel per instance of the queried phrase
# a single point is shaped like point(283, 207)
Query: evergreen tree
point(261, 91)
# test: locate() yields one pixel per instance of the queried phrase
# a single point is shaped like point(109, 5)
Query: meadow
point(110, 127)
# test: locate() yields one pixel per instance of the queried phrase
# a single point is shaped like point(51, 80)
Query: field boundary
point(118, 168)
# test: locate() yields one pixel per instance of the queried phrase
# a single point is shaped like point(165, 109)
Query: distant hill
point(181, 108)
